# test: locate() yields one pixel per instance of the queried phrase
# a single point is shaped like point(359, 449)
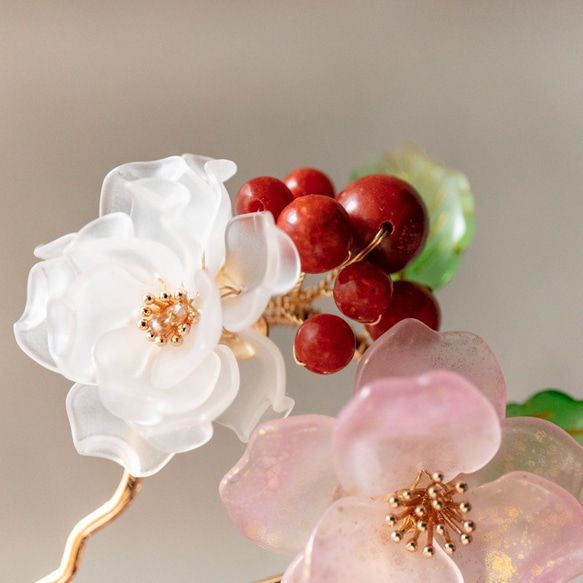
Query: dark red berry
point(379, 199)
point(362, 291)
point(304, 181)
point(320, 229)
point(263, 193)
point(324, 344)
point(409, 300)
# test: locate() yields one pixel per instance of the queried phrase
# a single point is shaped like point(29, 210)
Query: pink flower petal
point(295, 571)
point(528, 530)
point(280, 487)
point(411, 348)
point(395, 427)
point(352, 544)
point(539, 447)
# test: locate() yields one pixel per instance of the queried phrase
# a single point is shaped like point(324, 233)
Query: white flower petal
point(262, 392)
point(191, 429)
point(55, 248)
point(261, 261)
point(114, 195)
point(46, 280)
point(96, 432)
point(101, 299)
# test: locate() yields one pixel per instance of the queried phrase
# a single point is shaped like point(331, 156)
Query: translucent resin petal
point(411, 348)
point(450, 205)
point(352, 544)
point(395, 427)
point(554, 406)
point(261, 394)
point(528, 530)
point(536, 446)
point(96, 432)
point(278, 490)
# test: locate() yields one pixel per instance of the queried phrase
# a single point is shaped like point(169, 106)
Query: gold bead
point(180, 294)
point(428, 551)
point(420, 511)
point(469, 526)
point(150, 336)
point(394, 501)
point(148, 299)
point(433, 492)
point(449, 548)
point(143, 325)
point(160, 341)
point(421, 525)
point(465, 507)
point(466, 539)
point(396, 536)
point(437, 504)
point(183, 330)
point(391, 519)
point(406, 495)
point(164, 296)
point(461, 487)
point(176, 340)
point(440, 529)
point(437, 477)
point(411, 546)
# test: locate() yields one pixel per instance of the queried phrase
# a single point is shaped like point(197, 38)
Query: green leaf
point(555, 406)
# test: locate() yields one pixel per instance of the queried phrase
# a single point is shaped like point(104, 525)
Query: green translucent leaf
point(555, 406)
point(450, 205)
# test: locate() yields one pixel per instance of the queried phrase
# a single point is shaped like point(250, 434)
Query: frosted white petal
point(46, 280)
point(191, 429)
point(103, 298)
point(114, 194)
point(172, 365)
point(261, 261)
point(96, 432)
point(55, 248)
point(262, 391)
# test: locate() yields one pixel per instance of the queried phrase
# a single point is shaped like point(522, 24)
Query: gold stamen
point(429, 507)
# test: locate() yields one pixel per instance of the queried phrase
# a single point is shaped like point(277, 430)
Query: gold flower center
point(428, 508)
point(168, 317)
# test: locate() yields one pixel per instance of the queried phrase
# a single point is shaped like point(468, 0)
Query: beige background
point(494, 88)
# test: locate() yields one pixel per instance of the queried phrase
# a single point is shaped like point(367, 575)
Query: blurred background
point(492, 88)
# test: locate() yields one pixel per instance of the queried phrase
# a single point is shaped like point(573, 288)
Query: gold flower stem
point(127, 489)
point(276, 579)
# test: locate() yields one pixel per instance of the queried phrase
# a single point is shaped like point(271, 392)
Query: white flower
point(167, 257)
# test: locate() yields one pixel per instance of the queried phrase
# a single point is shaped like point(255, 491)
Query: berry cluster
point(377, 217)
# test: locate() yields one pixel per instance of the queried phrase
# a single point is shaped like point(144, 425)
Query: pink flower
point(379, 494)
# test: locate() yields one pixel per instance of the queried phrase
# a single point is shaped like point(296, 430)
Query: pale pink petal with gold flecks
point(352, 544)
point(528, 530)
point(295, 571)
point(395, 427)
point(284, 482)
point(411, 348)
point(537, 446)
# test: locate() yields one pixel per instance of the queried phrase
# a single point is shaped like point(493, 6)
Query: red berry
point(362, 291)
point(263, 193)
point(410, 300)
point(379, 199)
point(320, 229)
point(324, 344)
point(304, 181)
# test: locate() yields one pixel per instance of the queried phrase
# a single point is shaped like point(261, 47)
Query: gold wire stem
point(276, 579)
point(127, 489)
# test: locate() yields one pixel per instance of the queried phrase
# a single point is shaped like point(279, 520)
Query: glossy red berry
point(409, 300)
point(304, 181)
point(263, 193)
point(379, 199)
point(324, 344)
point(320, 229)
point(362, 291)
